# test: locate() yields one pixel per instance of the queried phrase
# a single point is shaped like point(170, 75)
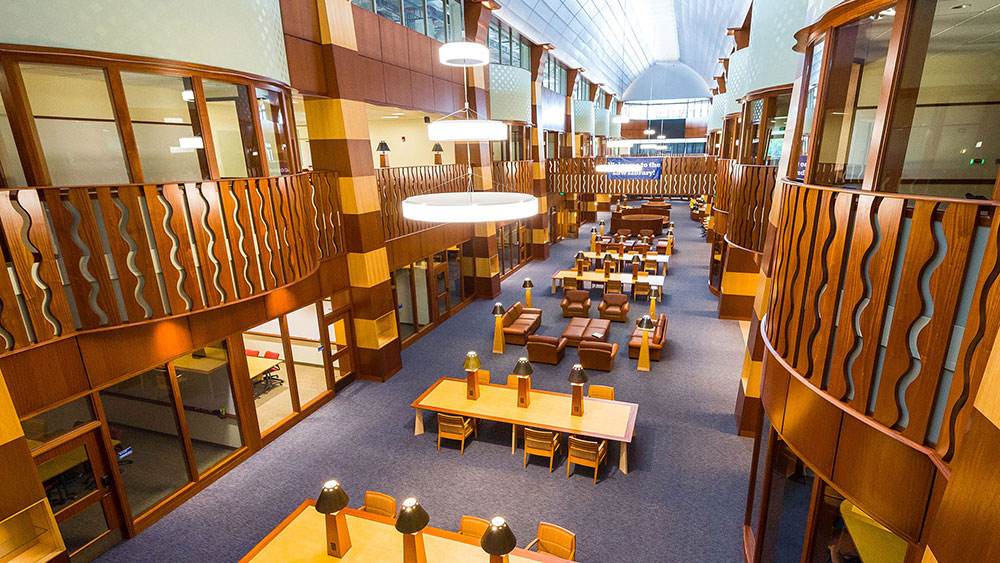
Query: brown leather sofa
point(519, 323)
point(614, 307)
point(656, 339)
point(576, 303)
point(546, 349)
point(597, 355)
point(582, 328)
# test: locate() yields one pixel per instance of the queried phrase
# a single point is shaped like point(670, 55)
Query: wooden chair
point(650, 267)
point(540, 442)
point(554, 540)
point(571, 283)
point(472, 526)
point(254, 353)
point(455, 428)
point(379, 503)
point(484, 377)
point(641, 288)
point(512, 381)
point(601, 392)
point(587, 453)
point(613, 286)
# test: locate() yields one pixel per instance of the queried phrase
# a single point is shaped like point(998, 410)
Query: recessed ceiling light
point(390, 117)
point(398, 113)
point(961, 6)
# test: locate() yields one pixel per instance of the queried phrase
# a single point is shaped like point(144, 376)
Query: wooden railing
point(91, 257)
point(723, 185)
point(513, 176)
point(679, 175)
point(886, 304)
point(397, 184)
point(749, 194)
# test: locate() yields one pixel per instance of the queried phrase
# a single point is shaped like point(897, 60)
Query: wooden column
point(339, 140)
point(539, 224)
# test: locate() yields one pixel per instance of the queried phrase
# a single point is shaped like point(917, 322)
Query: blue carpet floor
point(683, 499)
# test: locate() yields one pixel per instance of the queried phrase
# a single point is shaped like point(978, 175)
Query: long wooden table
point(301, 538)
point(602, 419)
point(660, 259)
point(598, 276)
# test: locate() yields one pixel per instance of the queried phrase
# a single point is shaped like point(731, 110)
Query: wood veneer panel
point(366, 29)
point(398, 90)
point(811, 317)
point(374, 82)
point(300, 18)
point(423, 91)
point(63, 369)
point(148, 344)
point(305, 65)
point(21, 485)
point(393, 38)
point(773, 388)
point(811, 425)
point(419, 46)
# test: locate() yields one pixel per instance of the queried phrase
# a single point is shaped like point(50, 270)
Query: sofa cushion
point(596, 345)
point(539, 339)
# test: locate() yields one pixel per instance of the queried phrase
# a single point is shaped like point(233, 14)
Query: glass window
point(494, 42)
point(231, 119)
point(265, 357)
point(413, 15)
point(505, 45)
point(338, 331)
point(945, 129)
point(75, 123)
point(11, 173)
point(525, 55)
point(141, 416)
point(273, 127)
point(53, 423)
point(389, 9)
point(402, 279)
point(165, 124)
point(307, 354)
point(851, 95)
point(209, 407)
point(455, 275)
point(774, 136)
point(366, 4)
point(302, 131)
point(455, 20)
point(515, 49)
point(423, 293)
point(435, 20)
point(815, 64)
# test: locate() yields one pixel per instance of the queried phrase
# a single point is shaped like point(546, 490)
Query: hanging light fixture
point(649, 131)
point(467, 206)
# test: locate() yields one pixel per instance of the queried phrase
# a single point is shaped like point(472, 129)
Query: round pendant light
point(620, 144)
point(469, 207)
point(618, 168)
point(649, 146)
point(649, 131)
point(464, 54)
point(620, 119)
point(467, 130)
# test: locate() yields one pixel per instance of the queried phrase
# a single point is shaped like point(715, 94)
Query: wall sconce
point(498, 343)
point(383, 153)
point(331, 502)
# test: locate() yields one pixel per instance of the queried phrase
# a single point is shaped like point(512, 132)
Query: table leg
point(623, 458)
point(418, 423)
point(513, 439)
point(554, 280)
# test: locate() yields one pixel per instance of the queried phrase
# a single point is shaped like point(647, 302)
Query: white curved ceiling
point(616, 40)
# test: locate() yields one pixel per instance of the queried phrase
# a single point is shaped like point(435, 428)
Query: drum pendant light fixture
point(468, 206)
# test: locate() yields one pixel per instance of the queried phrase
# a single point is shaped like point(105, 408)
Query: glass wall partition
point(274, 129)
point(443, 20)
point(428, 291)
point(511, 246)
point(815, 66)
point(230, 115)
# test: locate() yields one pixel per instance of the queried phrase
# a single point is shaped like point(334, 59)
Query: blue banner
point(650, 168)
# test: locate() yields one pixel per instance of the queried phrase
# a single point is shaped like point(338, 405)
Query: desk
point(663, 259)
point(257, 366)
point(599, 278)
point(602, 419)
point(213, 359)
point(301, 538)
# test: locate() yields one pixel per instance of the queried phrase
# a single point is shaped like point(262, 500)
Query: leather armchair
point(576, 303)
point(597, 355)
point(614, 307)
point(546, 349)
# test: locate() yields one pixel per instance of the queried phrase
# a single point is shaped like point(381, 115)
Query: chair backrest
point(570, 283)
point(512, 381)
point(253, 353)
point(613, 286)
point(538, 439)
point(271, 355)
point(512, 314)
point(556, 541)
point(379, 503)
point(615, 298)
point(601, 392)
point(450, 424)
point(642, 287)
point(577, 295)
point(484, 376)
point(584, 449)
point(472, 526)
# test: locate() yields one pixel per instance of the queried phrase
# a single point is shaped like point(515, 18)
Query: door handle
point(106, 480)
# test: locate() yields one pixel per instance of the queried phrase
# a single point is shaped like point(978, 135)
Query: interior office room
point(500, 280)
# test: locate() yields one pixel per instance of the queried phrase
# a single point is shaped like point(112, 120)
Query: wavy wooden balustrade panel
point(513, 176)
point(888, 304)
point(679, 175)
point(723, 185)
point(397, 184)
point(92, 257)
point(749, 204)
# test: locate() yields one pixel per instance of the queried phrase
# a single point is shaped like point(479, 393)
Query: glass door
point(78, 484)
point(337, 349)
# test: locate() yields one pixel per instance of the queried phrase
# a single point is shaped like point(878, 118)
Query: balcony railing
point(89, 257)
point(749, 195)
point(880, 302)
point(397, 184)
point(513, 176)
point(679, 175)
point(723, 183)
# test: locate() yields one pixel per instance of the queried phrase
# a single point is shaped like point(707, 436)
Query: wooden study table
point(602, 419)
point(660, 259)
point(213, 359)
point(598, 276)
point(301, 538)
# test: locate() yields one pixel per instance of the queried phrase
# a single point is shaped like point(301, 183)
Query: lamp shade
point(636, 260)
point(437, 148)
point(646, 323)
point(601, 223)
point(472, 361)
point(577, 375)
point(527, 283)
point(464, 53)
point(382, 146)
point(412, 517)
point(580, 256)
point(593, 229)
point(498, 309)
point(332, 498)
point(608, 256)
point(498, 539)
point(523, 367)
point(654, 293)
point(469, 207)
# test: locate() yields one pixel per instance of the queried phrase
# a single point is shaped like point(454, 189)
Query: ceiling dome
point(667, 81)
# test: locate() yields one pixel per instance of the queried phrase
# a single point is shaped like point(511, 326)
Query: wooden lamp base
point(527, 298)
point(577, 401)
point(498, 342)
point(338, 540)
point(523, 391)
point(644, 352)
point(413, 548)
point(499, 559)
point(472, 384)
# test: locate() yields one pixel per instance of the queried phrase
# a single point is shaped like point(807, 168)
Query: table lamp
point(636, 264)
point(523, 372)
point(580, 257)
point(646, 324)
point(498, 343)
point(383, 153)
point(593, 238)
point(471, 366)
point(331, 502)
point(437, 150)
point(654, 294)
point(410, 522)
point(601, 223)
point(577, 377)
point(498, 540)
point(607, 264)
point(527, 285)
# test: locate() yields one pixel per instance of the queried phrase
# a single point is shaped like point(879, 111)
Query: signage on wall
point(650, 168)
point(800, 170)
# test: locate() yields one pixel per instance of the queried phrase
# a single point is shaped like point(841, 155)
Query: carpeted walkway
point(683, 499)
